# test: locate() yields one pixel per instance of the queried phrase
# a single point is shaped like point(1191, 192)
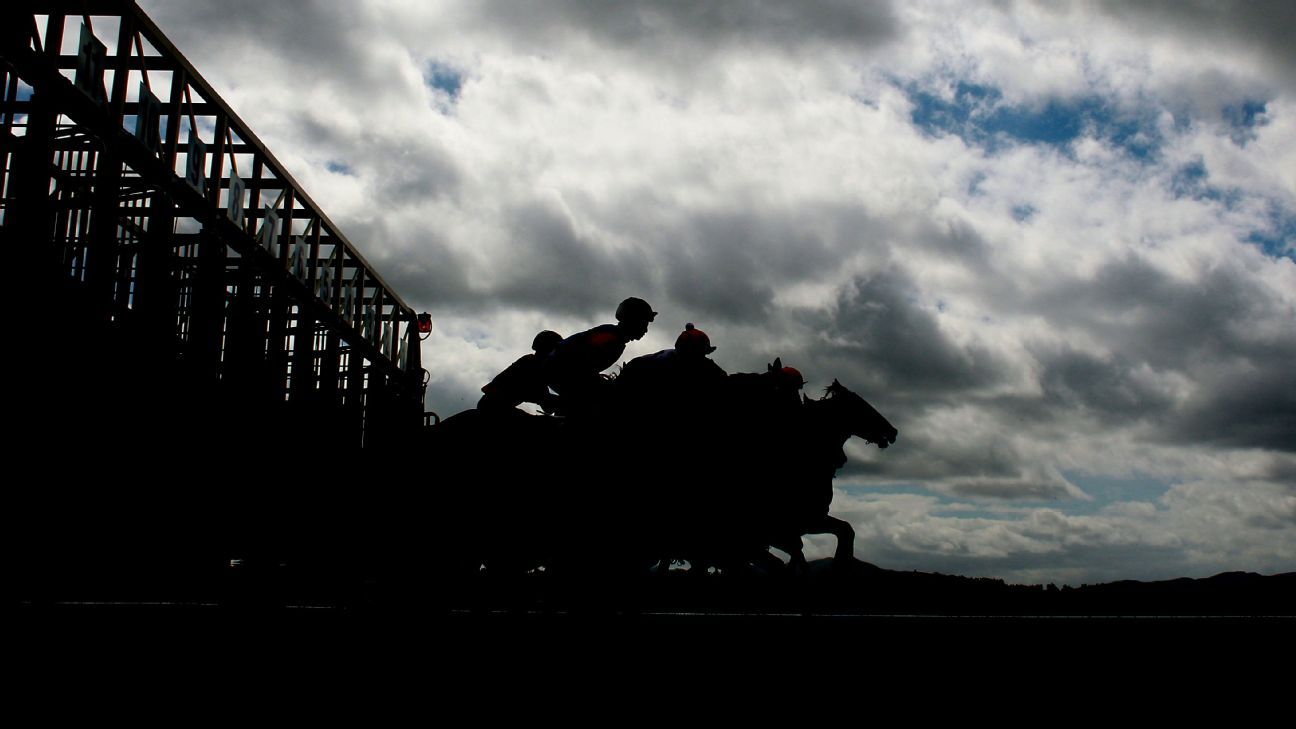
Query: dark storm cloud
point(1109, 389)
point(881, 340)
point(1280, 469)
point(316, 45)
point(438, 272)
point(1232, 340)
point(720, 285)
point(697, 27)
point(551, 266)
point(412, 173)
point(402, 170)
point(1220, 335)
point(731, 265)
point(1169, 321)
point(546, 265)
point(880, 334)
point(1252, 406)
point(1242, 26)
point(984, 459)
point(985, 456)
point(296, 31)
point(955, 240)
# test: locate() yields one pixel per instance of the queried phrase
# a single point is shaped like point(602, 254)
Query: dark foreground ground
point(860, 605)
point(483, 658)
point(887, 637)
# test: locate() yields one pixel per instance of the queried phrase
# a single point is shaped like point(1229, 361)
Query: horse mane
point(835, 389)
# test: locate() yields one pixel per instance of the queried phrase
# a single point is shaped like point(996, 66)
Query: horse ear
point(778, 363)
point(835, 383)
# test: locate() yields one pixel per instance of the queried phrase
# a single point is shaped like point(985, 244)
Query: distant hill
point(869, 590)
point(824, 588)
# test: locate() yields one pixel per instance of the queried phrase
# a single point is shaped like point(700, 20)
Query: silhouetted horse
point(764, 476)
point(497, 496)
point(826, 424)
point(718, 487)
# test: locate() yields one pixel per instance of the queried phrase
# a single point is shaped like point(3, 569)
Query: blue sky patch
point(978, 115)
point(1278, 238)
point(1244, 115)
point(1056, 124)
point(1107, 490)
point(1243, 118)
point(1023, 213)
point(935, 115)
point(1193, 180)
point(1190, 180)
point(339, 168)
point(443, 78)
point(1276, 231)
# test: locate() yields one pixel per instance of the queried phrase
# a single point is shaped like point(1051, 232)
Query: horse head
point(852, 415)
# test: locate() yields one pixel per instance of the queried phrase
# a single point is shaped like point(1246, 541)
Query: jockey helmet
point(790, 377)
point(693, 341)
point(545, 341)
point(635, 310)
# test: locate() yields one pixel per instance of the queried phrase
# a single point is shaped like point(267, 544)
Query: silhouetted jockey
point(673, 398)
point(683, 375)
point(772, 394)
point(574, 368)
point(787, 386)
point(523, 381)
point(773, 397)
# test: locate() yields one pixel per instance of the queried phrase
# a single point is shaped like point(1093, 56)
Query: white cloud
point(1195, 529)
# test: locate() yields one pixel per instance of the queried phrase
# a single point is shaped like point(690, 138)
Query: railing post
point(208, 321)
point(103, 246)
point(155, 283)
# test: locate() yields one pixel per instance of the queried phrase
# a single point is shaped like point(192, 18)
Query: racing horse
point(522, 491)
point(826, 424)
point(760, 475)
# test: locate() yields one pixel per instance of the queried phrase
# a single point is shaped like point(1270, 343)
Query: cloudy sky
point(1054, 243)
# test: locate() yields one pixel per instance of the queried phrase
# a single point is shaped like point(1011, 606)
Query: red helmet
point(693, 341)
point(790, 377)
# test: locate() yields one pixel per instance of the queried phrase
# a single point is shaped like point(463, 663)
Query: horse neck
point(823, 424)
